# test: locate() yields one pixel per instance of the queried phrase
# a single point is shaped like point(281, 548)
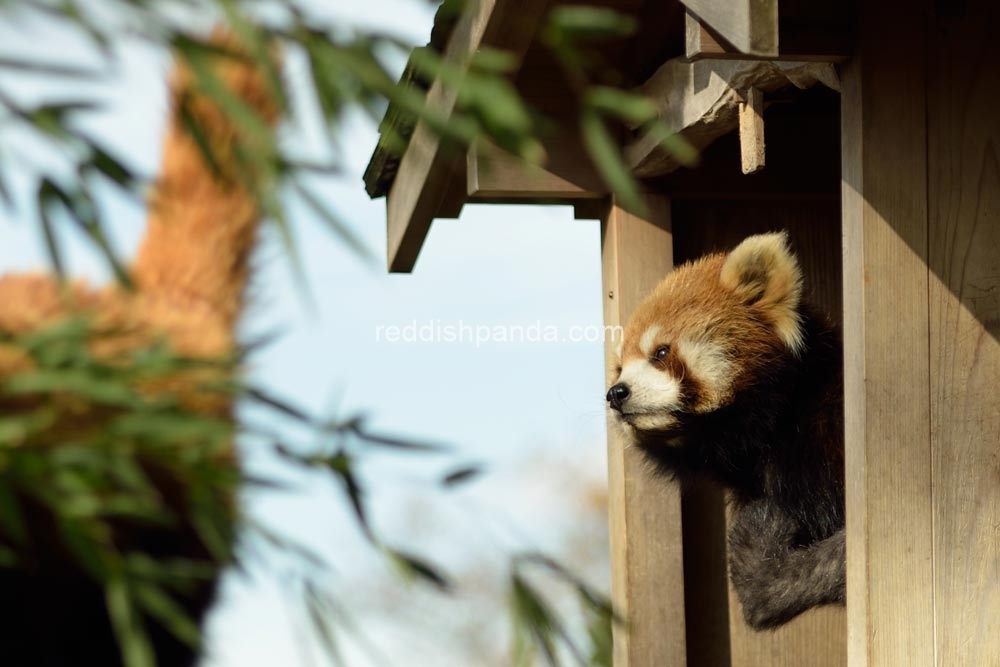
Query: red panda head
point(710, 329)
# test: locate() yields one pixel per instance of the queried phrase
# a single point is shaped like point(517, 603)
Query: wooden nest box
point(872, 135)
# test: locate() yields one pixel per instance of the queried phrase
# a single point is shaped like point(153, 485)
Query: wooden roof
point(696, 76)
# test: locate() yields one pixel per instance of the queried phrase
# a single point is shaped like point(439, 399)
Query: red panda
point(726, 374)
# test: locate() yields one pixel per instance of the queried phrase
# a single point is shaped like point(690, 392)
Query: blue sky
point(532, 412)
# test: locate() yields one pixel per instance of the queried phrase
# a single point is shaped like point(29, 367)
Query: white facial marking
point(654, 395)
point(618, 349)
point(648, 340)
point(713, 368)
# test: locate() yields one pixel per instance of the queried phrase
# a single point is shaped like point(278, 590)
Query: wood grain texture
point(964, 255)
point(887, 426)
point(645, 514)
point(752, 131)
point(496, 176)
point(428, 170)
point(817, 638)
point(749, 25)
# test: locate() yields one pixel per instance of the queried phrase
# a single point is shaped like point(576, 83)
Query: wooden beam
point(889, 485)
point(645, 513)
point(752, 131)
point(700, 101)
point(427, 169)
point(495, 176)
point(749, 25)
point(814, 41)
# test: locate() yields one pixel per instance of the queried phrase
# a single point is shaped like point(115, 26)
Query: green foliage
point(606, 113)
point(84, 451)
point(347, 70)
point(96, 481)
point(538, 629)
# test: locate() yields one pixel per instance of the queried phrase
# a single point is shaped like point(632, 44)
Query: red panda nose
point(617, 395)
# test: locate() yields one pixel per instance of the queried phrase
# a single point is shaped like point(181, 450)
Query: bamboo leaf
point(633, 108)
point(343, 232)
point(47, 192)
point(674, 144)
point(581, 22)
point(319, 616)
point(23, 66)
point(461, 475)
point(168, 612)
point(414, 568)
point(608, 160)
point(133, 641)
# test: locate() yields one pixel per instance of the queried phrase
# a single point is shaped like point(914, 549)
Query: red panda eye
point(661, 353)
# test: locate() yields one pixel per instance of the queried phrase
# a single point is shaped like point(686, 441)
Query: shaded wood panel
point(803, 128)
point(817, 638)
point(822, 36)
point(647, 583)
point(964, 256)
point(749, 25)
point(890, 606)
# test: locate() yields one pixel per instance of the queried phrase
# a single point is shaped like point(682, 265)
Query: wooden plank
point(817, 638)
point(700, 101)
point(820, 41)
point(752, 131)
point(964, 206)
point(427, 169)
point(890, 607)
point(496, 176)
point(749, 25)
point(647, 583)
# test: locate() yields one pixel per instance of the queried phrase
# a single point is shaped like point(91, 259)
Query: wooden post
point(647, 582)
point(890, 606)
point(963, 136)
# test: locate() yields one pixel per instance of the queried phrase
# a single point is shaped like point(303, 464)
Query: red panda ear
point(763, 272)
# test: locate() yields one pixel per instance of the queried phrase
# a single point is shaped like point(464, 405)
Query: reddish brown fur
point(691, 299)
point(761, 412)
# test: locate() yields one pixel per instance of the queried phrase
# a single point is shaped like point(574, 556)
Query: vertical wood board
point(645, 514)
point(964, 256)
point(887, 427)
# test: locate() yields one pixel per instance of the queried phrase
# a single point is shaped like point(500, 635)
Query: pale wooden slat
point(749, 25)
point(752, 131)
point(427, 170)
point(645, 515)
point(964, 206)
point(888, 455)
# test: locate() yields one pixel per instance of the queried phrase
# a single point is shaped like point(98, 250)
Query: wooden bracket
point(701, 101)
